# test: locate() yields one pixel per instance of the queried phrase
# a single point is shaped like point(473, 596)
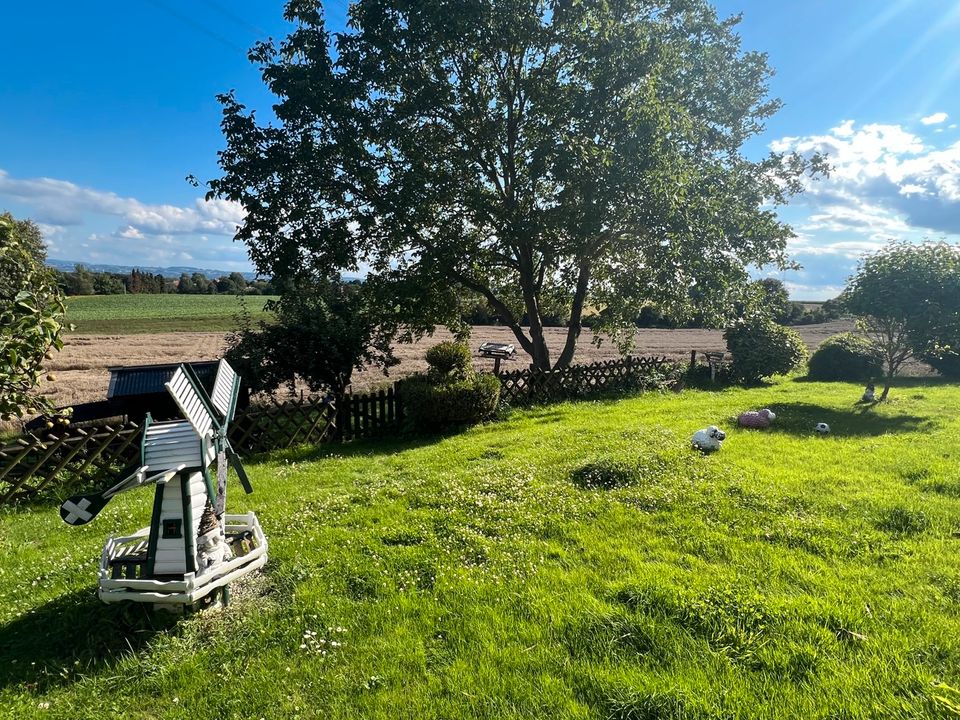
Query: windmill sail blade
point(238, 466)
point(81, 509)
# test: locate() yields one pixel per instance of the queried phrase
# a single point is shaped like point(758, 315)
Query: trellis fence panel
point(35, 462)
point(527, 386)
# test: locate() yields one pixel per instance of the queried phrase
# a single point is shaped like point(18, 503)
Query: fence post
point(398, 401)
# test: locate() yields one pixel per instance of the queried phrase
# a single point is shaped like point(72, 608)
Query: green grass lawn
point(576, 561)
point(124, 314)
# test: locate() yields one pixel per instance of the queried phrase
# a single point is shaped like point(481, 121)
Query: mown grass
point(574, 561)
point(128, 314)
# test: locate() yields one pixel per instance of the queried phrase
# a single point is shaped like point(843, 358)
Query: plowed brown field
point(82, 375)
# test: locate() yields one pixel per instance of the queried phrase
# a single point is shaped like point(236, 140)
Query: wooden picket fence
point(35, 462)
point(369, 414)
point(521, 387)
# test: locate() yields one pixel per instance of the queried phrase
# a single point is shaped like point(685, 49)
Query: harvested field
point(82, 376)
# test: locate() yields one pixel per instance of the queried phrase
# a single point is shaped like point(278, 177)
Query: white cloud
point(63, 203)
point(934, 119)
point(801, 291)
point(884, 181)
point(130, 233)
point(87, 225)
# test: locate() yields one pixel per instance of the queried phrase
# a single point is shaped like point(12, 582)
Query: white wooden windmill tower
point(192, 549)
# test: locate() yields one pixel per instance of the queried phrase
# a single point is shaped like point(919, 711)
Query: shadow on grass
point(902, 383)
point(72, 636)
point(859, 420)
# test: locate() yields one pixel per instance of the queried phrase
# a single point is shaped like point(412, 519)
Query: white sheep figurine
point(756, 418)
point(708, 439)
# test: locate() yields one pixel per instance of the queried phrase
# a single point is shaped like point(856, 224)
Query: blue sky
point(100, 128)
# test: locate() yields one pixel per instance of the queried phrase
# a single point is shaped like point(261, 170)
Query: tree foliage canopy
point(31, 317)
point(907, 298)
point(320, 332)
point(528, 150)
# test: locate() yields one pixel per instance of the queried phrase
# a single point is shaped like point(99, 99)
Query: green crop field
point(123, 314)
point(573, 561)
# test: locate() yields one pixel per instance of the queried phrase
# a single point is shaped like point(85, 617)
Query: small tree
point(31, 320)
point(907, 300)
point(320, 333)
point(776, 299)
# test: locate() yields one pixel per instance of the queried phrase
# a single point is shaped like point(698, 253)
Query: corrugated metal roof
point(148, 379)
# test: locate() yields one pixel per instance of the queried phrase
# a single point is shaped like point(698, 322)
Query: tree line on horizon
point(474, 308)
point(83, 281)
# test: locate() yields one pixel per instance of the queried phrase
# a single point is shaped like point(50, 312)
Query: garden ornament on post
point(709, 439)
point(192, 549)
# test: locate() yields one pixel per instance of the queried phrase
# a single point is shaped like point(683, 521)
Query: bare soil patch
point(82, 375)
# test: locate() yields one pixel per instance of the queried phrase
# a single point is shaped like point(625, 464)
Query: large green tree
point(31, 317)
point(521, 149)
point(907, 300)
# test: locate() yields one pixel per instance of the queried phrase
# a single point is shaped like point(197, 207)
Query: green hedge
point(431, 404)
point(845, 357)
point(761, 348)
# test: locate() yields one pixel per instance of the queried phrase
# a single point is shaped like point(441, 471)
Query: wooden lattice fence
point(260, 428)
point(576, 381)
point(31, 463)
point(35, 462)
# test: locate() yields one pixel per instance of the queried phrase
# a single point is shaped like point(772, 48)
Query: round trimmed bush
point(846, 356)
point(448, 357)
point(761, 348)
point(432, 403)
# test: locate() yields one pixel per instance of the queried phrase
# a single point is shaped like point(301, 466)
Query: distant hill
point(168, 272)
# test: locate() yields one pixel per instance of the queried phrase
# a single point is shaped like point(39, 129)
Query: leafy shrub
point(449, 358)
point(761, 348)
point(945, 361)
point(31, 318)
point(846, 356)
point(434, 403)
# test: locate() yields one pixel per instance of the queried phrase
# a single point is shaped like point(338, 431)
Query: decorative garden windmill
point(191, 547)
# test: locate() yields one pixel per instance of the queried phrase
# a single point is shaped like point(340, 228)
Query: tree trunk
point(576, 314)
point(887, 380)
point(539, 352)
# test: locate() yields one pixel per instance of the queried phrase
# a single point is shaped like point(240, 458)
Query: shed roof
point(130, 380)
